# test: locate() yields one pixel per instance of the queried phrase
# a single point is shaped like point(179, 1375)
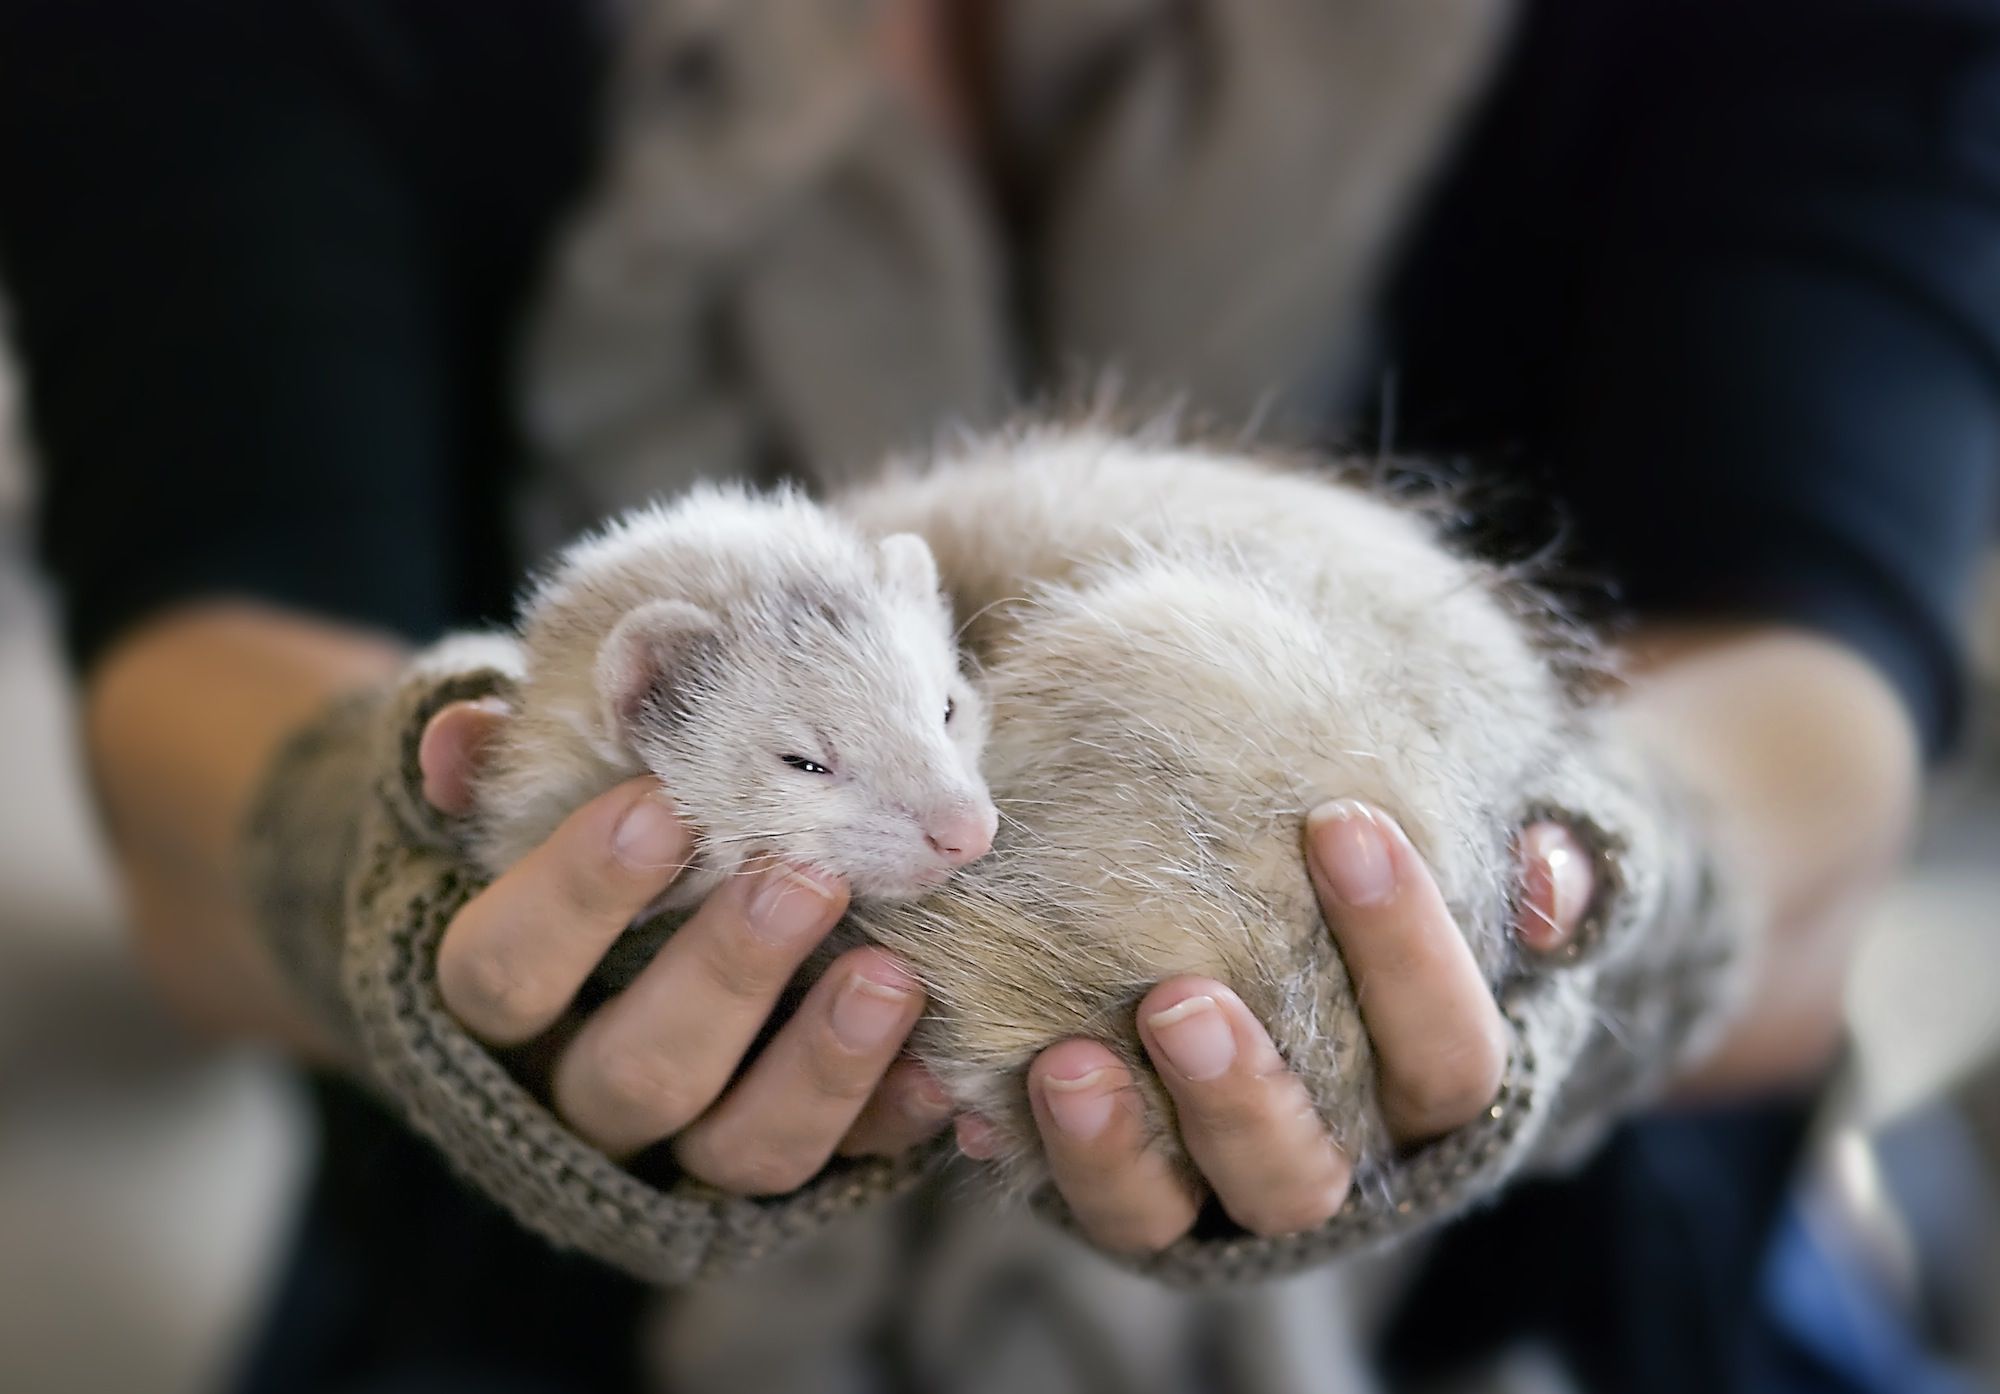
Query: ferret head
point(828, 723)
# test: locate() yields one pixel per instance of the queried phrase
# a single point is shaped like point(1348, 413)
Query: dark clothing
point(1643, 1270)
point(266, 263)
point(1725, 277)
point(1722, 276)
point(401, 1279)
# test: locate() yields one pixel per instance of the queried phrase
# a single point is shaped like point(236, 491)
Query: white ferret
point(795, 687)
point(1182, 652)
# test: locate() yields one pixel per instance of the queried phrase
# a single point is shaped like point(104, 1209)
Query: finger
point(1123, 1192)
point(515, 955)
point(777, 1126)
point(908, 1107)
point(1440, 1043)
point(451, 748)
point(1556, 885)
point(1245, 1119)
point(655, 1057)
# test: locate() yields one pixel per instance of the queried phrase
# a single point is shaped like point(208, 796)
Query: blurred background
point(146, 1180)
point(1625, 254)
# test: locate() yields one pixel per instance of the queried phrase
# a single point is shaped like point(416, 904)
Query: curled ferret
point(1181, 650)
point(795, 688)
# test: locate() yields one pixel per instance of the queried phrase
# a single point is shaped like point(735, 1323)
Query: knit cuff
point(383, 872)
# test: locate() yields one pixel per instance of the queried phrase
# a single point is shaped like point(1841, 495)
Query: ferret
point(1181, 650)
point(795, 687)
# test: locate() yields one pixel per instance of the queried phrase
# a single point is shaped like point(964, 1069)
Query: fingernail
point(867, 1013)
point(649, 836)
point(790, 903)
point(1353, 852)
point(492, 706)
point(976, 1137)
point(1196, 1037)
point(1571, 875)
point(1558, 884)
point(1081, 1107)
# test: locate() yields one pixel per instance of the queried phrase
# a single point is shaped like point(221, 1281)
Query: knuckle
point(1275, 1217)
point(834, 1075)
point(587, 887)
point(1409, 958)
point(1459, 1086)
point(1437, 1109)
point(1141, 1232)
point(633, 1085)
point(1225, 1113)
point(489, 991)
point(756, 1169)
point(1217, 1099)
point(1229, 1107)
point(733, 971)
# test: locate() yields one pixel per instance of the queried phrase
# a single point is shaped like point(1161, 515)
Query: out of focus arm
point(1810, 761)
point(181, 719)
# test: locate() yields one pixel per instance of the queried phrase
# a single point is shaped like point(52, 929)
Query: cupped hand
point(662, 1061)
point(1245, 1120)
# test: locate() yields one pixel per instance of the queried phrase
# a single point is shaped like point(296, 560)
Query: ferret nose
point(962, 835)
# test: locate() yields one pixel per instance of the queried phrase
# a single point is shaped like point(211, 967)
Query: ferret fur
point(709, 640)
point(1185, 651)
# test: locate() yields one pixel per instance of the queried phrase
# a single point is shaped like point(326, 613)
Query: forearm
point(181, 721)
point(1811, 766)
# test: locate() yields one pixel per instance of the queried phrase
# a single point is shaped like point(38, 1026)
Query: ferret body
point(1184, 652)
point(794, 686)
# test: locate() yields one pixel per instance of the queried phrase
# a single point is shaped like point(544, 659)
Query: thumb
point(452, 746)
point(1557, 885)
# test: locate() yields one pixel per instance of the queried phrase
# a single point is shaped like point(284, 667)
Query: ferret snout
point(963, 832)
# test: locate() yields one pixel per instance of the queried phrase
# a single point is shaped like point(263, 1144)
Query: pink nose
point(962, 835)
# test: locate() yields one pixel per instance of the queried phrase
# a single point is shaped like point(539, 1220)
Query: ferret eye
point(949, 707)
point(799, 762)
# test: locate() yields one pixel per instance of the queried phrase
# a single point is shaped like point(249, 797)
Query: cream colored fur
point(1185, 651)
point(744, 629)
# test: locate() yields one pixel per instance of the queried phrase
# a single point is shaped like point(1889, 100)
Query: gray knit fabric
point(1593, 1031)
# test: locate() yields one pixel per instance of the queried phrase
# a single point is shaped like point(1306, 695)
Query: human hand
point(1245, 1120)
point(660, 1060)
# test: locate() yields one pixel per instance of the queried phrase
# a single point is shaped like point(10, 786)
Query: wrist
point(1811, 770)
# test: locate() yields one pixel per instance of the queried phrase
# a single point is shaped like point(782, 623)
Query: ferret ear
point(908, 565)
point(641, 656)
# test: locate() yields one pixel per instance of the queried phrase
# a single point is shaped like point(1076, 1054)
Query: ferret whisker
point(958, 634)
